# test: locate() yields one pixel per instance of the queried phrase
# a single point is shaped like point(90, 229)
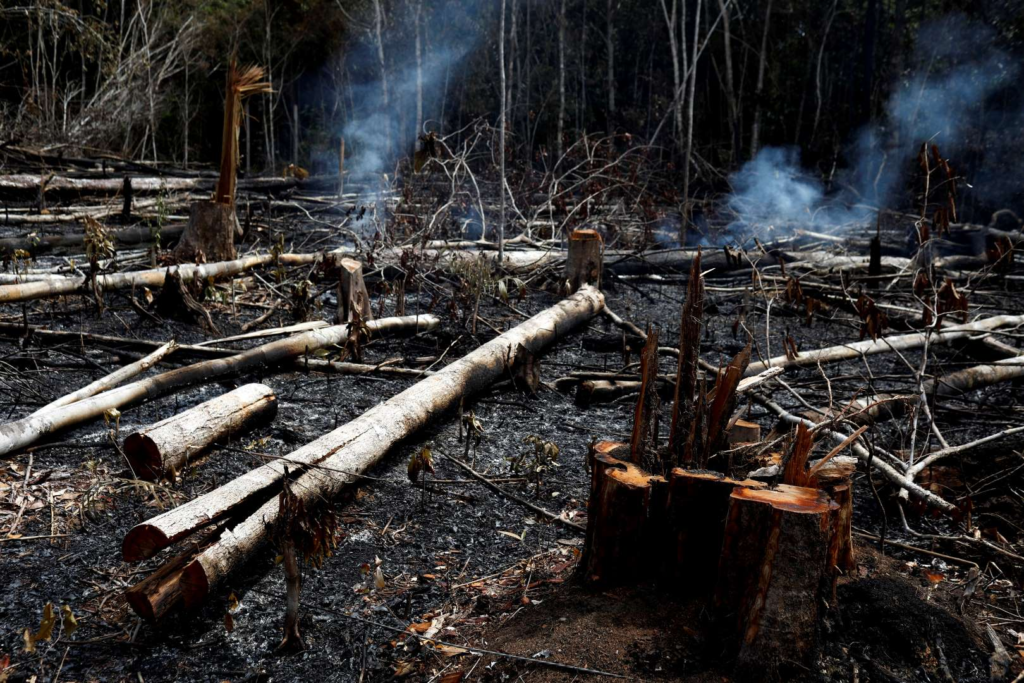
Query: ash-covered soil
point(461, 564)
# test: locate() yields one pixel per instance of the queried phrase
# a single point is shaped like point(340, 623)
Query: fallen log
point(144, 278)
point(127, 237)
point(902, 342)
point(24, 432)
point(113, 379)
point(333, 461)
point(163, 449)
point(28, 185)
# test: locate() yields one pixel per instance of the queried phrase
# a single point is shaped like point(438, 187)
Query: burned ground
point(462, 565)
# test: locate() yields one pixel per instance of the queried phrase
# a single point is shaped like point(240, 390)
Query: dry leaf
point(45, 631)
point(404, 669)
point(453, 676)
point(68, 621)
point(229, 622)
point(378, 579)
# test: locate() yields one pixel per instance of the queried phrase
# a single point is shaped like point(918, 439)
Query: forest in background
point(787, 103)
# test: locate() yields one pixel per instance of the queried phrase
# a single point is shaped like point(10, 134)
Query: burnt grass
point(501, 578)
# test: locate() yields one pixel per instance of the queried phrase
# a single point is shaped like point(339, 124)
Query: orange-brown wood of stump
point(624, 518)
point(585, 260)
point(698, 502)
point(776, 577)
point(835, 478)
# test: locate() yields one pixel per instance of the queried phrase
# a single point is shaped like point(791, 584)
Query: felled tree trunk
point(163, 449)
point(353, 299)
point(336, 459)
point(154, 277)
point(624, 519)
point(776, 575)
point(113, 379)
point(584, 264)
point(24, 432)
point(210, 233)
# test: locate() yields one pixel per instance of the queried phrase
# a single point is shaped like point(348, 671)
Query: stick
point(513, 497)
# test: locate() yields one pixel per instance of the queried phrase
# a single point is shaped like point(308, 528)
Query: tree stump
point(698, 502)
point(353, 299)
point(742, 431)
point(624, 519)
point(210, 233)
point(776, 577)
point(585, 260)
point(835, 479)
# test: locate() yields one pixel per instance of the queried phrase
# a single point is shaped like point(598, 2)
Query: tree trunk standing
point(379, 39)
point(609, 42)
point(561, 82)
point(513, 43)
point(295, 133)
point(817, 73)
point(677, 78)
point(248, 143)
point(689, 120)
point(870, 40)
point(730, 86)
point(581, 102)
point(419, 74)
point(501, 134)
point(755, 130)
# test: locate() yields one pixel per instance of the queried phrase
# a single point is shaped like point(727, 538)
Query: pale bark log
point(24, 183)
point(900, 342)
point(24, 432)
point(345, 453)
point(163, 449)
point(113, 379)
point(122, 238)
point(143, 278)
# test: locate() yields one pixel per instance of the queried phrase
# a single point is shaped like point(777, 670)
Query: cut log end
point(144, 457)
point(142, 542)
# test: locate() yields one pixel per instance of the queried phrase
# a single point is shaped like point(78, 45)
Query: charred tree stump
point(834, 478)
point(698, 502)
point(126, 209)
point(776, 577)
point(644, 439)
point(210, 233)
point(585, 261)
point(353, 299)
point(623, 520)
point(163, 449)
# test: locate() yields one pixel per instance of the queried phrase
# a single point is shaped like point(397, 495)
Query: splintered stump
point(835, 479)
point(353, 300)
point(776, 576)
point(585, 261)
point(210, 233)
point(163, 449)
point(623, 520)
point(698, 503)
